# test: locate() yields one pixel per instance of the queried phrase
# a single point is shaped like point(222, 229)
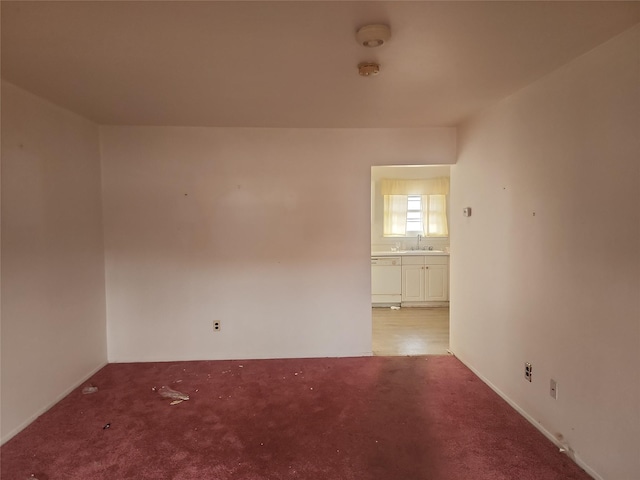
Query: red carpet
point(382, 418)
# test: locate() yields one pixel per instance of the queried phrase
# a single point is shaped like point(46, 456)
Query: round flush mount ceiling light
point(368, 69)
point(373, 35)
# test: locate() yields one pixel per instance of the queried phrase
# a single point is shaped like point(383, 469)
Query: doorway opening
point(410, 260)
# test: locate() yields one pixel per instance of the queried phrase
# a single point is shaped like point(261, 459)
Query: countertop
point(408, 252)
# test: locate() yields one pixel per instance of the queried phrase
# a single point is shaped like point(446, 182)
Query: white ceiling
point(292, 64)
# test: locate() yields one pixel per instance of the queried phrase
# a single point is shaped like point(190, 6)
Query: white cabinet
point(425, 278)
point(436, 283)
point(413, 279)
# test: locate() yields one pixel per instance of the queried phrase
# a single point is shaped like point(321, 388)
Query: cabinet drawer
point(413, 260)
point(425, 260)
point(436, 260)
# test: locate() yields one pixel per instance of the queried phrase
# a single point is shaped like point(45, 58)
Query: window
point(410, 215)
point(415, 207)
point(414, 215)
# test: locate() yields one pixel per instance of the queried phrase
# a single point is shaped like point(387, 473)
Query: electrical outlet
point(216, 325)
point(553, 389)
point(528, 371)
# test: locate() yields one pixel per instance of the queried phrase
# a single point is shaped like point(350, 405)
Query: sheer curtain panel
point(395, 215)
point(434, 216)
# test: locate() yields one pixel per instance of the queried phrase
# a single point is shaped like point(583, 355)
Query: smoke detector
point(373, 35)
point(368, 69)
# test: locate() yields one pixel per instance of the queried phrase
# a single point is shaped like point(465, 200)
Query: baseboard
point(576, 458)
point(245, 356)
point(29, 420)
point(424, 304)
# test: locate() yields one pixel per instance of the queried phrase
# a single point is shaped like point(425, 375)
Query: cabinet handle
point(427, 268)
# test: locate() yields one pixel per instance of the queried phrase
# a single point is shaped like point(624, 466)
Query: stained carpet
point(378, 418)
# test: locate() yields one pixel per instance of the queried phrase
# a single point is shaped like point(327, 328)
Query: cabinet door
point(413, 283)
point(437, 283)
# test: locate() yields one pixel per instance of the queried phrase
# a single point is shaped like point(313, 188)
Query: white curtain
point(434, 216)
point(395, 215)
point(418, 186)
point(433, 192)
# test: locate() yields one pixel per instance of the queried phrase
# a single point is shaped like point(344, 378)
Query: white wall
point(53, 298)
point(560, 288)
point(378, 241)
point(267, 230)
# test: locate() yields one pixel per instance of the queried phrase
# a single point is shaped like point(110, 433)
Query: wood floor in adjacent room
point(410, 331)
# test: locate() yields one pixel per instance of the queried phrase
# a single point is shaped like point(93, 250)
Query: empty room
point(200, 198)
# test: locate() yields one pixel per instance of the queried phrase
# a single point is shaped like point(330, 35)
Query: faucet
point(419, 238)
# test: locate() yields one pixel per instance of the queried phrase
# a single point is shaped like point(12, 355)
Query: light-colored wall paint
point(266, 230)
point(53, 296)
point(378, 241)
point(559, 289)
